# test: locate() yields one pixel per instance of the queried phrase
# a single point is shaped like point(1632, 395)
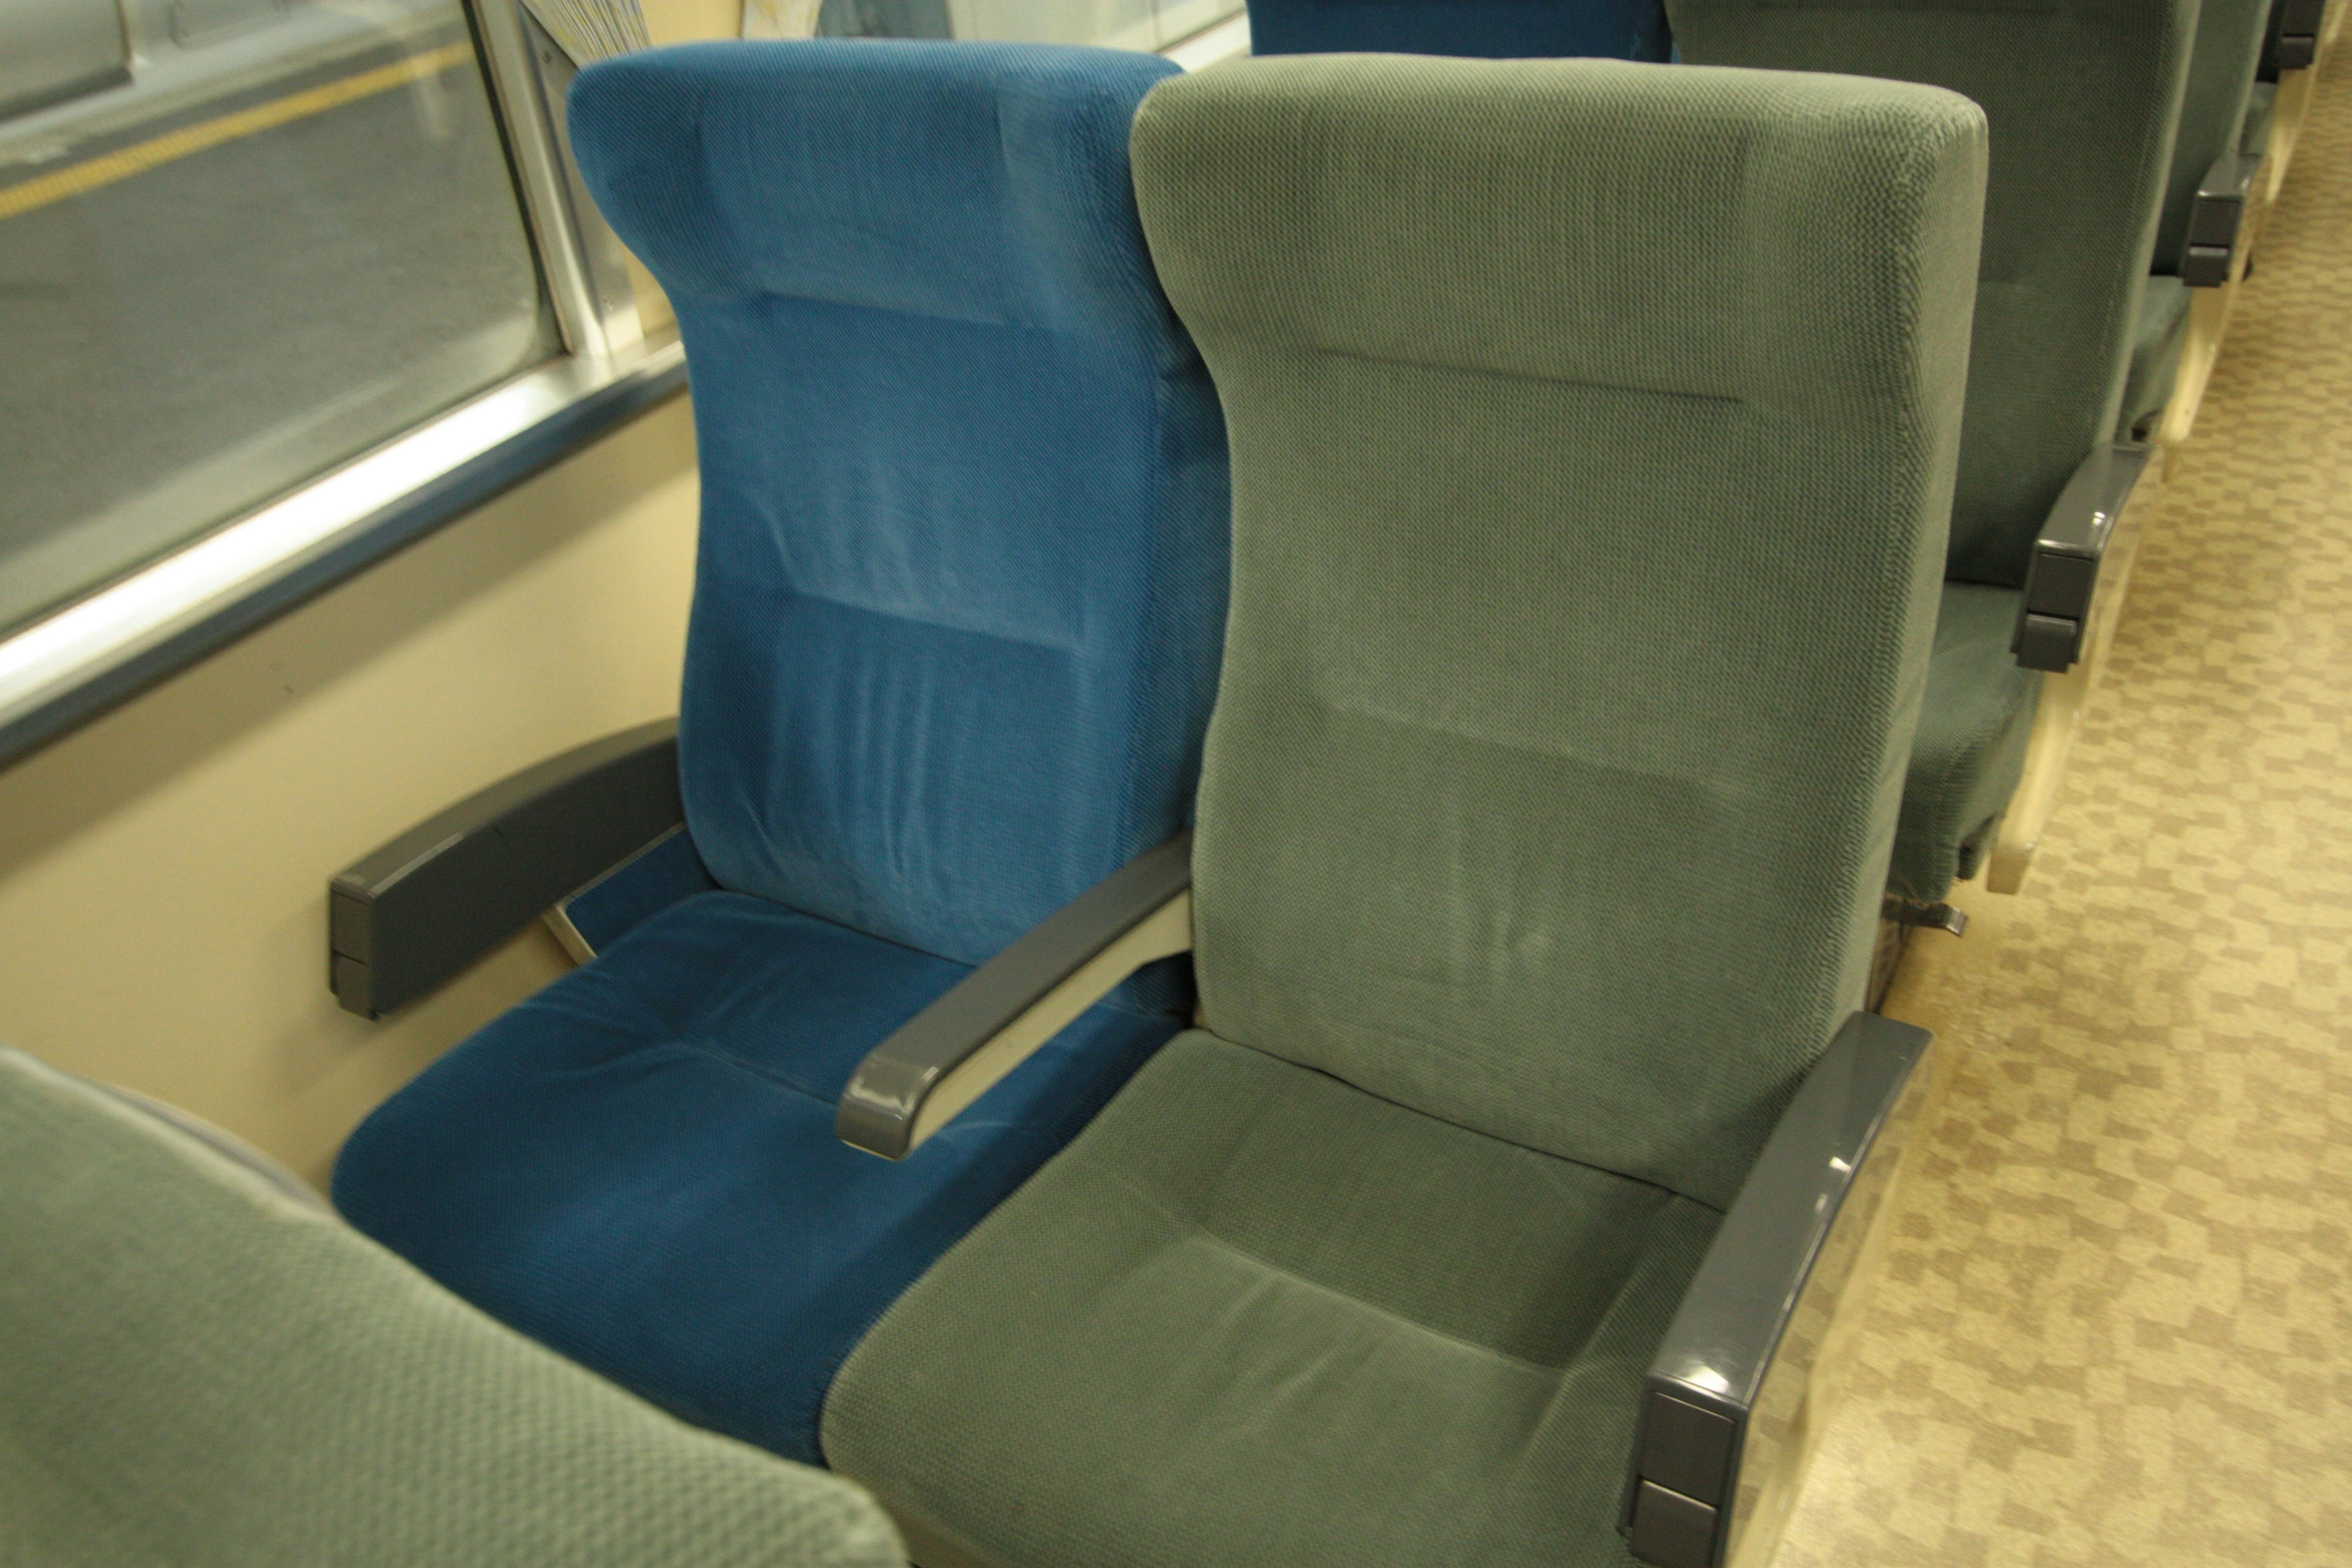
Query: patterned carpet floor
point(2114, 1324)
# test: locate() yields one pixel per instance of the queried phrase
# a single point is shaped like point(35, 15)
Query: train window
point(240, 242)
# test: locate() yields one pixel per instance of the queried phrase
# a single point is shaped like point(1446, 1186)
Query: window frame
point(70, 665)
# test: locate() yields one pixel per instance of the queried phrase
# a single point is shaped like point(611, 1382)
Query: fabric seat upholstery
point(2213, 113)
point(2156, 342)
point(2082, 98)
point(660, 1124)
point(956, 615)
point(2222, 61)
point(1542, 828)
point(1324, 1329)
point(199, 1371)
point(1970, 748)
point(1492, 29)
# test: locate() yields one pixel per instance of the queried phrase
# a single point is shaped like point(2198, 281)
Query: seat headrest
point(978, 181)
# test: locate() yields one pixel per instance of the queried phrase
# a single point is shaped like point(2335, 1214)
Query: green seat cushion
point(1970, 746)
point(2155, 352)
point(1256, 1316)
point(2221, 66)
point(198, 1370)
point(1592, 428)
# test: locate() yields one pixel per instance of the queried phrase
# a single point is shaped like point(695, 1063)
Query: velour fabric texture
point(2082, 97)
point(199, 1371)
point(1495, 29)
point(1593, 430)
point(2162, 333)
point(2221, 64)
point(957, 609)
point(1258, 1316)
point(666, 873)
point(1579, 603)
point(638, 1167)
point(963, 564)
point(1969, 749)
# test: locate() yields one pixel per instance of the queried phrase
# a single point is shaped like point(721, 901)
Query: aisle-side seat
point(2300, 33)
point(2211, 203)
point(1593, 434)
point(201, 1366)
point(1492, 29)
point(953, 645)
point(2082, 97)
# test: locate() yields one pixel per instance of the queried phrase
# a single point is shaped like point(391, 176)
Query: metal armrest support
point(951, 1052)
point(1724, 1424)
point(433, 900)
point(2214, 219)
point(2064, 571)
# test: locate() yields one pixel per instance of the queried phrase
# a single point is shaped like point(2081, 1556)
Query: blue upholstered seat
point(1494, 29)
point(956, 621)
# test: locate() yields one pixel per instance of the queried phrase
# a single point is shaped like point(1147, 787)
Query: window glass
point(241, 241)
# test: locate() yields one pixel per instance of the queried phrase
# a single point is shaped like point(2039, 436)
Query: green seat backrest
point(2082, 97)
point(198, 1370)
point(1592, 428)
point(2212, 112)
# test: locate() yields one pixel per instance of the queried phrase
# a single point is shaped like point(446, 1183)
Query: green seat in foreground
point(199, 1368)
point(1592, 428)
point(2082, 99)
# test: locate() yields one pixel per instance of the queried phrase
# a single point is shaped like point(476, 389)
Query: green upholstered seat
point(1290, 1322)
point(197, 1369)
point(1592, 429)
point(1970, 744)
point(2082, 98)
point(2157, 341)
point(2214, 104)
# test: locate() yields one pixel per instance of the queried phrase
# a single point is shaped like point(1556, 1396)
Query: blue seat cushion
point(638, 1166)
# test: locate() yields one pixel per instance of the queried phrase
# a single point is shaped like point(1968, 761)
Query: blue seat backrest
point(962, 573)
point(1492, 29)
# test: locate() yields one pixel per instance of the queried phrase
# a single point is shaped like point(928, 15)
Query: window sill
point(73, 664)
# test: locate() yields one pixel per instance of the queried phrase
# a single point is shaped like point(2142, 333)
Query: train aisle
point(2114, 1324)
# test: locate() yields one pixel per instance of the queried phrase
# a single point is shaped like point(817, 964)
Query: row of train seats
point(2136, 148)
point(1307, 688)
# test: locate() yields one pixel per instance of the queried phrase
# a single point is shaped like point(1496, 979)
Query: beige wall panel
point(163, 870)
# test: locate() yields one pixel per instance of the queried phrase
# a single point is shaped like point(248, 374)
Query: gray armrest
point(2295, 29)
point(1723, 1409)
point(441, 895)
point(2064, 572)
point(2214, 219)
point(946, 1056)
